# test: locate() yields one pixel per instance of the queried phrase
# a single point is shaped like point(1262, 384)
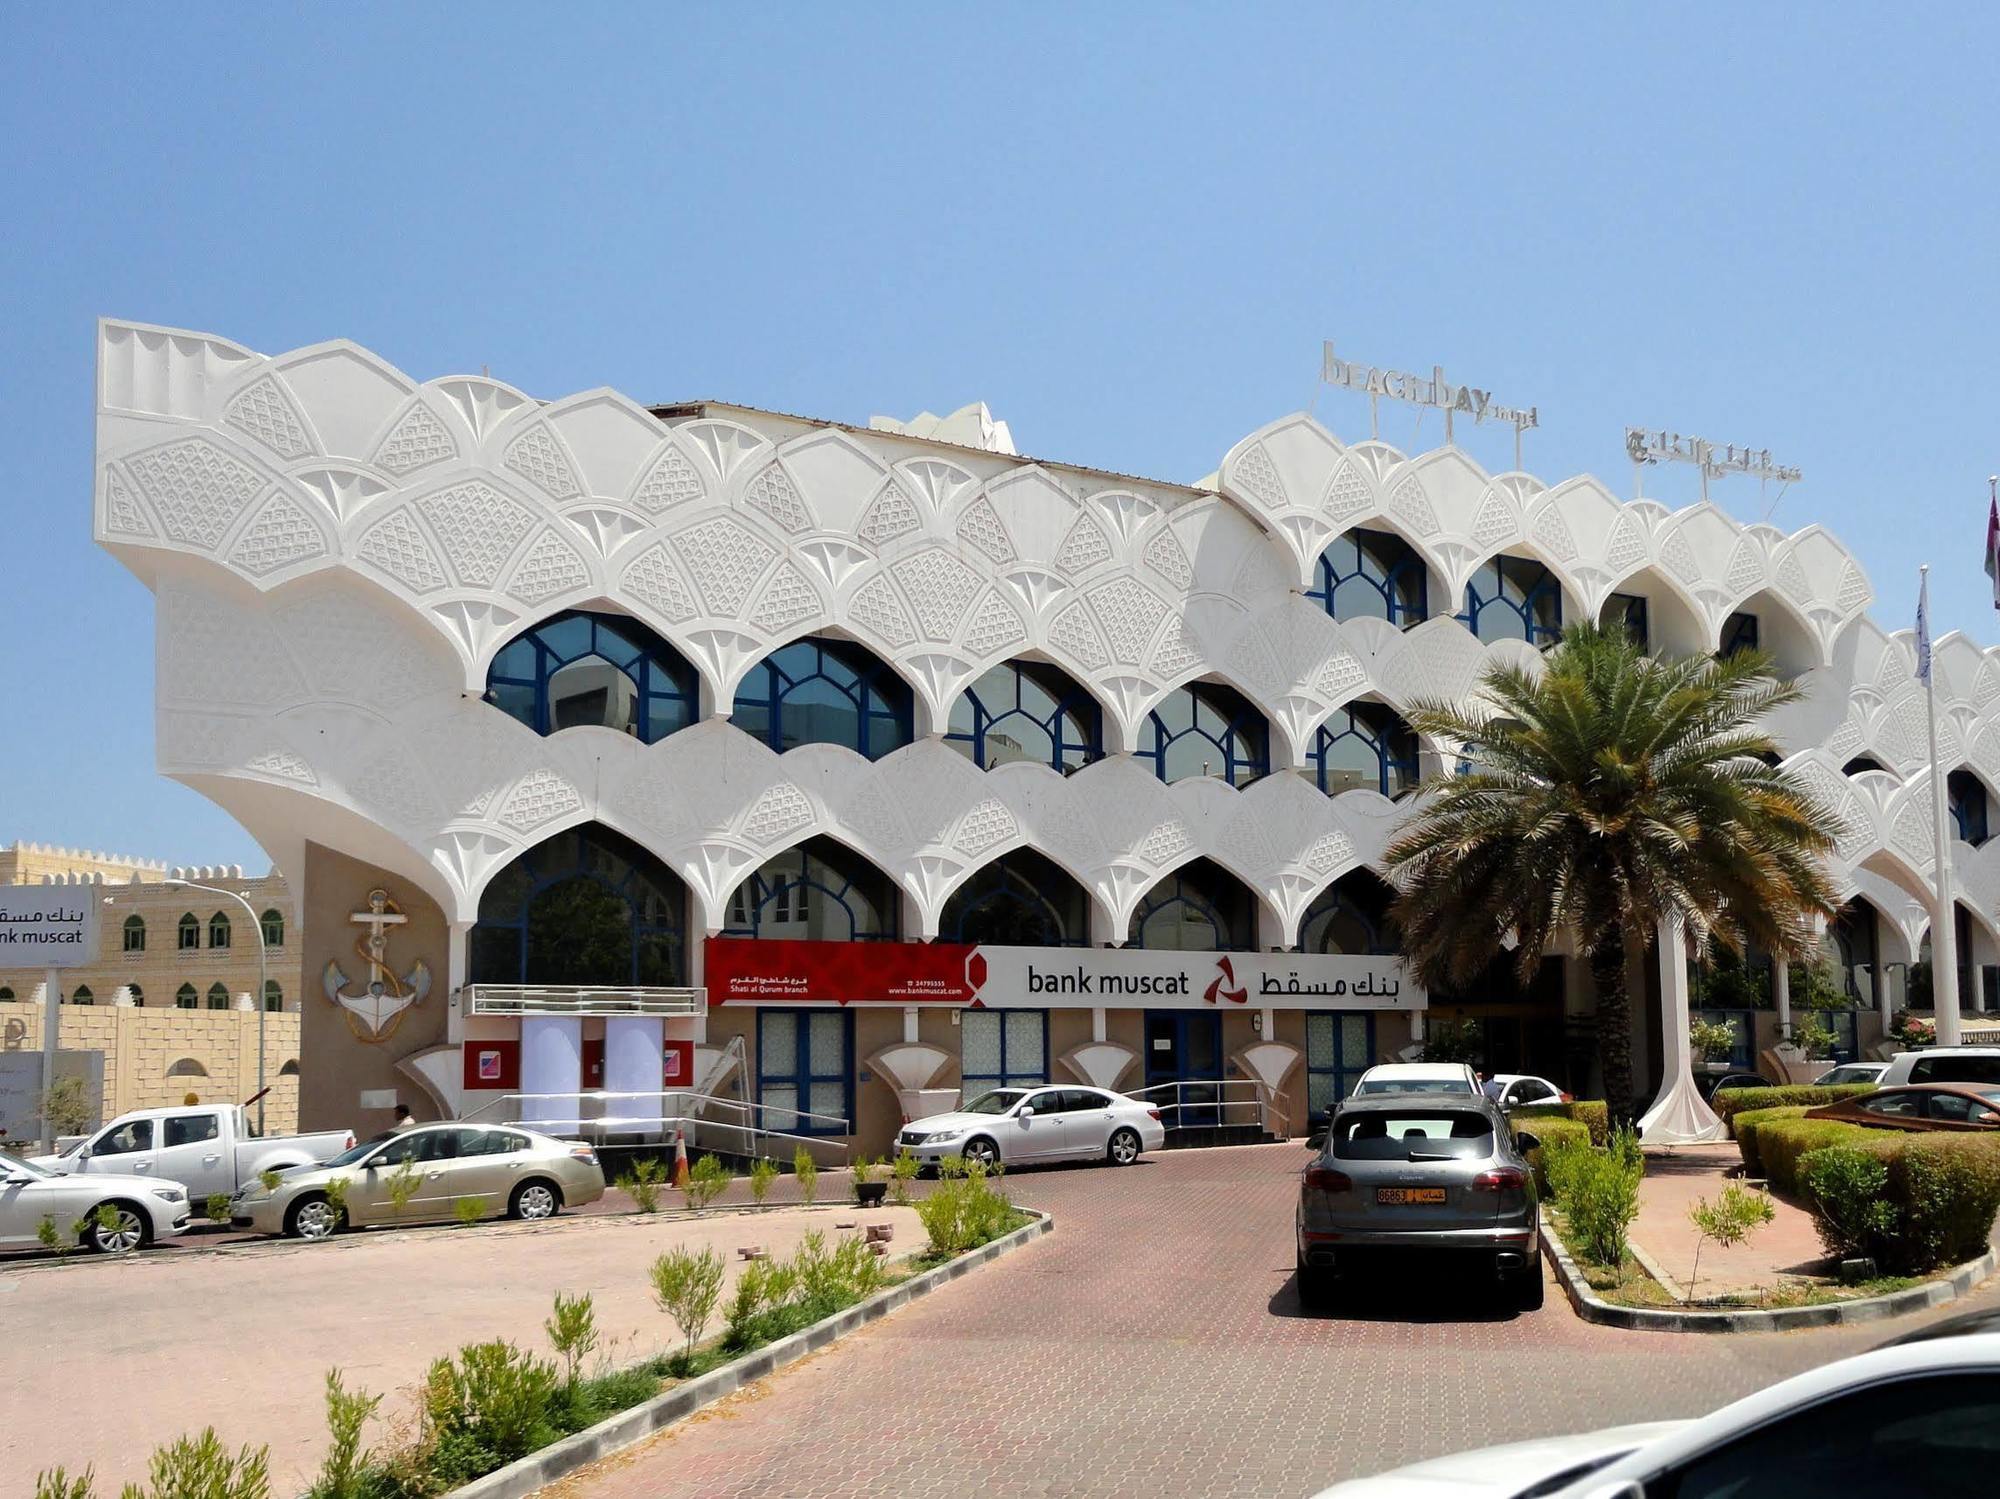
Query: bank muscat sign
point(745, 971)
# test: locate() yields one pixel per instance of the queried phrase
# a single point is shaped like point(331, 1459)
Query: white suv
point(1417, 1077)
point(1948, 1064)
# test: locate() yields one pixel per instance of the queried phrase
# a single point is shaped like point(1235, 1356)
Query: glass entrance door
point(1185, 1046)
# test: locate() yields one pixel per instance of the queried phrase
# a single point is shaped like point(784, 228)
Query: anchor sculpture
point(377, 1010)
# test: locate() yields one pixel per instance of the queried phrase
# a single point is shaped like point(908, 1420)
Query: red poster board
point(743, 970)
point(677, 1064)
point(492, 1065)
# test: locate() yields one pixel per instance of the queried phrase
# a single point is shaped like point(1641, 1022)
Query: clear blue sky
point(1125, 227)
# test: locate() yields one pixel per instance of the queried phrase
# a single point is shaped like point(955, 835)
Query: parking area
point(1153, 1345)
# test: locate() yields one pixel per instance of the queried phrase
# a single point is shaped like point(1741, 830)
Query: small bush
point(902, 1171)
point(200, 1467)
point(215, 1207)
point(1844, 1187)
point(1555, 1133)
point(642, 1184)
point(1727, 1220)
point(343, 1473)
point(468, 1210)
point(495, 1404)
point(686, 1286)
point(762, 1173)
point(1748, 1122)
point(864, 1173)
point(707, 1180)
point(1598, 1191)
point(1782, 1143)
point(57, 1484)
point(336, 1195)
point(1947, 1192)
point(1733, 1101)
point(572, 1330)
point(1592, 1113)
point(964, 1212)
point(806, 1169)
point(52, 1238)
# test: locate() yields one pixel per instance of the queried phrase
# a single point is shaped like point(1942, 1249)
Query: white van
point(1944, 1064)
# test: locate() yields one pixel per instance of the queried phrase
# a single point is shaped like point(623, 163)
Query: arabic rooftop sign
point(740, 970)
point(48, 926)
point(1646, 445)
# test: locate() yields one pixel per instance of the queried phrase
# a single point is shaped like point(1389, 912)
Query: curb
point(1593, 1308)
point(538, 1469)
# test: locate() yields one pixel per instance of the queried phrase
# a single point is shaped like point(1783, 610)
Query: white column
point(633, 1048)
point(1679, 1115)
point(1781, 994)
point(551, 1062)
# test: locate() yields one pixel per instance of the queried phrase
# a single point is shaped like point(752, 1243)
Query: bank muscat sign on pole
point(742, 970)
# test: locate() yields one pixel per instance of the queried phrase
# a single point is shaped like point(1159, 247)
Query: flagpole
point(1944, 916)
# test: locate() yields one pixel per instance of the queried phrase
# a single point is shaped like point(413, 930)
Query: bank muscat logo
point(1223, 986)
point(377, 1010)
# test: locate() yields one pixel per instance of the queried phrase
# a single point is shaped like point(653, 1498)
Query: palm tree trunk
point(1614, 1026)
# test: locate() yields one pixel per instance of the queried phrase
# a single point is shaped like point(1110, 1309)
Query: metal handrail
point(1261, 1101)
point(578, 999)
point(754, 1115)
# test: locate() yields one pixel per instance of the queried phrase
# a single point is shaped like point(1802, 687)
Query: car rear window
point(1378, 1086)
point(1949, 1069)
point(1418, 1134)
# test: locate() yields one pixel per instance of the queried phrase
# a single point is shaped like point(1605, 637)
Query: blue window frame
point(1632, 611)
point(1200, 907)
point(1027, 710)
point(1966, 798)
point(1739, 633)
point(805, 1067)
point(1372, 575)
point(1205, 729)
point(1022, 899)
point(1513, 598)
point(1003, 1049)
point(1349, 916)
point(578, 668)
point(1364, 744)
point(821, 891)
point(1340, 1046)
point(824, 692)
point(588, 906)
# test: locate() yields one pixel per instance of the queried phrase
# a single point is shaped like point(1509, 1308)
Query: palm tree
point(1611, 790)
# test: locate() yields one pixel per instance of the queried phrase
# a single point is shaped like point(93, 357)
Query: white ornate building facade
point(613, 698)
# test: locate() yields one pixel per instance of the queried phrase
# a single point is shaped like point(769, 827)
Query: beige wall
point(340, 1064)
point(140, 1045)
point(31, 863)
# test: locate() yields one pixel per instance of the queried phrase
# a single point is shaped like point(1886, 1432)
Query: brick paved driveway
point(1153, 1347)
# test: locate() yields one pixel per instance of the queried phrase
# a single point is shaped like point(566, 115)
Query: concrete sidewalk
point(1675, 1180)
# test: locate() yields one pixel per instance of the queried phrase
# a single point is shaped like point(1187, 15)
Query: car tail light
point(1501, 1179)
point(1153, 1114)
point(1569, 1098)
point(583, 1153)
point(1328, 1180)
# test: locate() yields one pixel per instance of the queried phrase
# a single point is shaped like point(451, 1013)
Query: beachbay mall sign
point(743, 970)
point(1435, 390)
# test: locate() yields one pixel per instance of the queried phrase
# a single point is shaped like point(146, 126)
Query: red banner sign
point(743, 970)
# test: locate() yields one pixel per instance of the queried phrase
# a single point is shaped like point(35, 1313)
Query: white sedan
point(110, 1214)
point(1918, 1417)
point(1018, 1126)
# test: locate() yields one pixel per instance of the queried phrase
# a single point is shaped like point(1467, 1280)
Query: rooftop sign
point(1420, 390)
point(1646, 445)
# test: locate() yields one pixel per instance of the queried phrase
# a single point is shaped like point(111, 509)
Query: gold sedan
point(430, 1174)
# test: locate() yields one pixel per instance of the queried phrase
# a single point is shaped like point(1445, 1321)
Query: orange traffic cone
point(680, 1159)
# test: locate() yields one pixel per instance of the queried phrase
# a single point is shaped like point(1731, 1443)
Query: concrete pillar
point(1781, 994)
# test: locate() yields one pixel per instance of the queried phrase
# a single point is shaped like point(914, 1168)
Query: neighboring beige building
point(169, 996)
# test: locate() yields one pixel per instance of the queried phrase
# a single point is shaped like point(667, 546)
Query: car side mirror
point(1525, 1142)
point(1027, 1111)
point(83, 1153)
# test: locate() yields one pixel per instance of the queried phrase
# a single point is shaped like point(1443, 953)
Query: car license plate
point(1397, 1197)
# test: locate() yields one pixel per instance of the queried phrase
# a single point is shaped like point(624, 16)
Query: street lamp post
point(263, 978)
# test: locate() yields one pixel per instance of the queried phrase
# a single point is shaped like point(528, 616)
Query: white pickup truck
point(207, 1148)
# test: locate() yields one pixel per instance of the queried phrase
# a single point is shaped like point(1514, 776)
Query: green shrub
point(965, 1211)
point(572, 1330)
point(215, 1207)
point(1598, 1191)
point(1725, 1220)
point(806, 1169)
point(468, 1210)
point(1733, 1101)
point(343, 1473)
point(1782, 1142)
point(57, 1484)
point(1845, 1188)
point(1748, 1123)
point(1592, 1113)
point(902, 1171)
point(200, 1467)
point(687, 1285)
point(1555, 1133)
point(495, 1404)
point(1946, 1189)
point(707, 1180)
point(762, 1173)
point(642, 1184)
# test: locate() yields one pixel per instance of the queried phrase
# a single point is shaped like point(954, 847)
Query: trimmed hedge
point(1942, 1191)
point(1592, 1113)
point(1554, 1132)
point(1748, 1123)
point(1733, 1101)
point(1781, 1142)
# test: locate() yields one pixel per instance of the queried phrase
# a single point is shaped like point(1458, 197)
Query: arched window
point(588, 907)
point(1513, 598)
point(1966, 797)
point(1631, 611)
point(138, 996)
point(135, 934)
point(274, 996)
point(218, 997)
point(1206, 729)
point(274, 928)
point(6, 995)
point(81, 995)
point(1739, 633)
point(579, 668)
point(1021, 899)
point(1364, 744)
point(218, 930)
point(1200, 907)
point(290, 1069)
point(1860, 763)
point(1856, 948)
point(186, 999)
point(824, 692)
point(1027, 710)
point(820, 890)
point(1372, 575)
point(187, 1067)
point(188, 932)
point(1350, 916)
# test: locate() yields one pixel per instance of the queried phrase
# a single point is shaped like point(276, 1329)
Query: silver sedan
point(432, 1173)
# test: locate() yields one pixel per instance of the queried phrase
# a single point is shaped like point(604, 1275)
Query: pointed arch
point(823, 689)
point(1515, 595)
point(1350, 915)
point(583, 667)
point(1029, 710)
point(1204, 727)
point(586, 906)
point(1196, 907)
point(1023, 898)
point(1676, 624)
point(817, 889)
point(1778, 627)
point(1371, 573)
point(1364, 744)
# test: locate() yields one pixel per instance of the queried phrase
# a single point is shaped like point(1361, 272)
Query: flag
point(1924, 627)
point(1993, 539)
